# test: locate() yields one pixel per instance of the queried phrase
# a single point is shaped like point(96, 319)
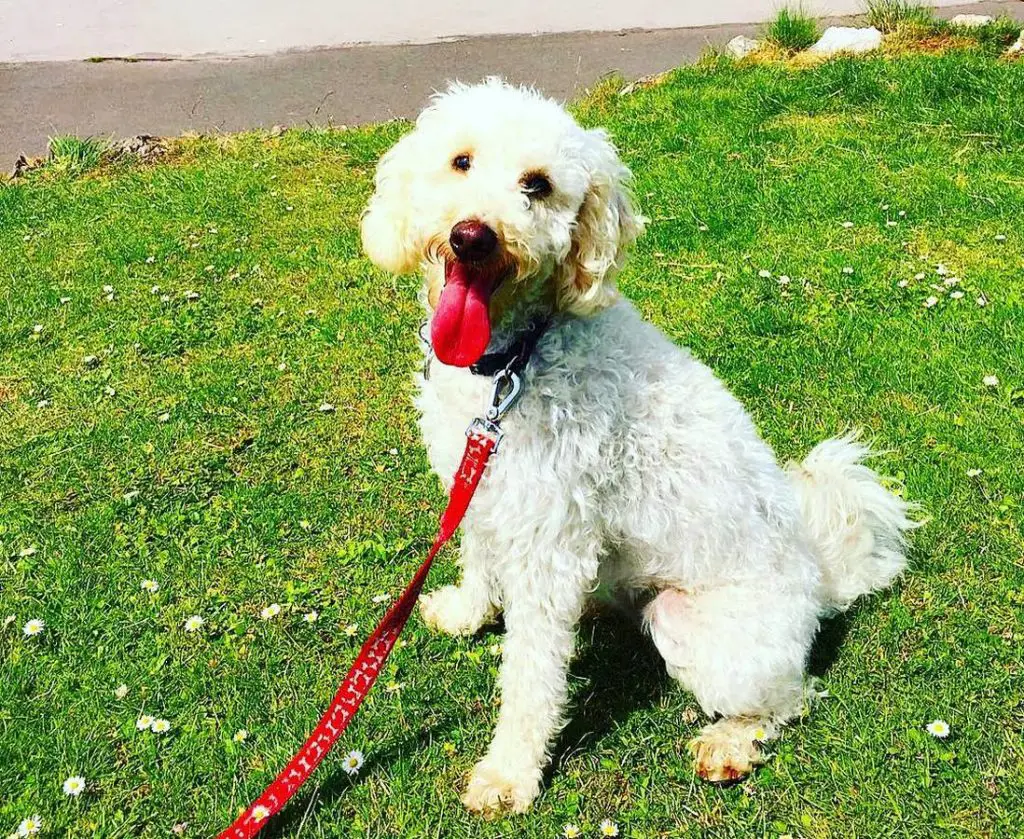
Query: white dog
point(626, 463)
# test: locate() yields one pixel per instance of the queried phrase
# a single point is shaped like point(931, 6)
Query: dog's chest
point(448, 401)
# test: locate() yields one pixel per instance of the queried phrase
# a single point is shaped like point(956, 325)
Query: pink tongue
point(461, 326)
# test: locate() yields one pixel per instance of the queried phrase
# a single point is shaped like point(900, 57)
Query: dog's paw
point(451, 611)
point(729, 749)
point(495, 789)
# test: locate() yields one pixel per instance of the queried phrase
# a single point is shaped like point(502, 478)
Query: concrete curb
point(348, 86)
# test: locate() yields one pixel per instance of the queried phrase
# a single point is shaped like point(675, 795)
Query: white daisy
point(152, 586)
point(608, 828)
point(982, 300)
point(179, 828)
point(29, 551)
point(74, 785)
point(1000, 237)
point(271, 611)
point(891, 224)
point(351, 629)
point(393, 686)
point(121, 691)
point(43, 403)
point(144, 722)
point(311, 616)
point(847, 224)
point(848, 269)
point(494, 649)
point(282, 366)
point(703, 228)
point(783, 280)
point(193, 623)
point(352, 762)
point(37, 328)
point(941, 270)
point(571, 831)
point(165, 298)
point(990, 381)
point(938, 728)
point(65, 300)
point(160, 726)
point(150, 260)
point(259, 813)
point(955, 295)
point(903, 283)
point(764, 274)
point(381, 598)
point(163, 417)
point(931, 301)
point(951, 281)
point(902, 214)
point(973, 473)
point(30, 826)
point(155, 290)
point(240, 736)
point(108, 289)
point(326, 408)
point(191, 295)
point(918, 276)
point(33, 627)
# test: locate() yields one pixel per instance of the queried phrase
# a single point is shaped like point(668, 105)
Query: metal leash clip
point(506, 389)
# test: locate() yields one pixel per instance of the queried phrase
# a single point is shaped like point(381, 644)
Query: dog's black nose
point(473, 241)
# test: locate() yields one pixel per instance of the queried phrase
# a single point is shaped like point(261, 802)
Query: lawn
point(204, 384)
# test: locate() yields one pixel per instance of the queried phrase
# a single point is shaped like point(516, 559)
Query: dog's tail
point(856, 525)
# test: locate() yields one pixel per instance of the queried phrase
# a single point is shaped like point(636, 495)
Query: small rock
point(1017, 46)
point(971, 21)
point(741, 46)
point(838, 39)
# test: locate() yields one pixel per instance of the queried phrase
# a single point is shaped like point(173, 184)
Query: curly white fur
point(626, 462)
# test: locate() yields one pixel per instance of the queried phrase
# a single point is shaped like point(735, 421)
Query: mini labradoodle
point(626, 464)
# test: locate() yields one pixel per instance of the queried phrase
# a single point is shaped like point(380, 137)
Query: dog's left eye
point(536, 185)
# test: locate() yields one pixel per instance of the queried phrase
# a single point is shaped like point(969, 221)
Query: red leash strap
point(481, 442)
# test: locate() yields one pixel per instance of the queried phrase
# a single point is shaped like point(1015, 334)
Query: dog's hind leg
point(465, 608)
point(741, 649)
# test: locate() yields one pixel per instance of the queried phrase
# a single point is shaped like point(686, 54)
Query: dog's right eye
point(461, 162)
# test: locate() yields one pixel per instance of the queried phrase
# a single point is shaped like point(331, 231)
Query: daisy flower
point(29, 551)
point(990, 381)
point(783, 280)
point(847, 224)
point(191, 295)
point(259, 813)
point(43, 403)
point(931, 301)
point(108, 289)
point(982, 300)
point(381, 598)
point(30, 826)
point(180, 828)
point(37, 328)
point(163, 417)
point(703, 228)
point(150, 260)
point(903, 283)
point(33, 627)
point(764, 274)
point(152, 586)
point(326, 408)
point(121, 691)
point(494, 649)
point(608, 828)
point(240, 736)
point(144, 722)
point(956, 295)
point(1000, 237)
point(74, 785)
point(351, 629)
point(352, 762)
point(393, 686)
point(938, 728)
point(193, 623)
point(311, 616)
point(571, 831)
point(973, 473)
point(271, 611)
point(160, 726)
point(942, 270)
point(848, 269)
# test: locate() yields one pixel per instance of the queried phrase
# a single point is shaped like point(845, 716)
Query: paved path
point(340, 86)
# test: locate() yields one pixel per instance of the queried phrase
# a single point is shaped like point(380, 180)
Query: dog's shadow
point(622, 674)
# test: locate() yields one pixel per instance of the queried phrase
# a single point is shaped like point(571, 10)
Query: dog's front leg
point(463, 609)
point(540, 622)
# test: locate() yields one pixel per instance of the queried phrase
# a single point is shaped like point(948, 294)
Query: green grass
point(792, 30)
point(75, 155)
point(191, 451)
point(889, 15)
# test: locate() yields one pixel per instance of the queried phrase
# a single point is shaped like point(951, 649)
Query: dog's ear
point(606, 225)
point(390, 237)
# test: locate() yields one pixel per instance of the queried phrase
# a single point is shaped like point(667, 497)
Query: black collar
point(515, 355)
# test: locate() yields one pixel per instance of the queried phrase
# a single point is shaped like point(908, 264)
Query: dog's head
point(499, 196)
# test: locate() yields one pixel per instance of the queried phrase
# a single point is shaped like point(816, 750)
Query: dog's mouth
point(461, 327)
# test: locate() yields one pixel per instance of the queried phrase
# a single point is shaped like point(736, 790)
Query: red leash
point(483, 438)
